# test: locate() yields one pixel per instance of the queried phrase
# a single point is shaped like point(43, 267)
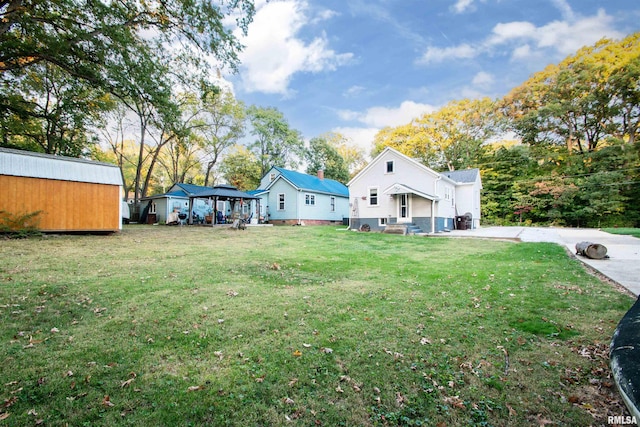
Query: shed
point(72, 195)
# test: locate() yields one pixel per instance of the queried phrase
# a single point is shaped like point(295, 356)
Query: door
point(404, 211)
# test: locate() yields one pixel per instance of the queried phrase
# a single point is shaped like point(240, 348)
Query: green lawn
point(301, 326)
point(635, 232)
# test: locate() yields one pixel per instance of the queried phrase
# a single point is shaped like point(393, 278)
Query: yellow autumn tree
point(453, 137)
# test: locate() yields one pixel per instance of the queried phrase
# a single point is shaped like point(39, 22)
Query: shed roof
point(37, 165)
point(312, 183)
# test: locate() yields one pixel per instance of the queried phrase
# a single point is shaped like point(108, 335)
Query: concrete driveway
point(622, 266)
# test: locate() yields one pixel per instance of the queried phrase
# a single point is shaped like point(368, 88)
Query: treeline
point(130, 82)
point(561, 149)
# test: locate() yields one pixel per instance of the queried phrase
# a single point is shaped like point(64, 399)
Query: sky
point(356, 66)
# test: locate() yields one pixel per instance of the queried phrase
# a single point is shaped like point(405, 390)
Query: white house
point(394, 189)
point(290, 197)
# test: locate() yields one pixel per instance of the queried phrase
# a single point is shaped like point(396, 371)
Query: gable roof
point(46, 166)
point(466, 176)
point(303, 181)
point(380, 156)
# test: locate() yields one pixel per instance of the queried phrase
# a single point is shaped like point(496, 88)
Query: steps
point(402, 229)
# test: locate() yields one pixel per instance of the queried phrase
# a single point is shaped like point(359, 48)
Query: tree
point(219, 125)
point(117, 47)
point(450, 138)
point(583, 100)
point(352, 155)
point(276, 144)
point(321, 155)
point(242, 168)
point(57, 115)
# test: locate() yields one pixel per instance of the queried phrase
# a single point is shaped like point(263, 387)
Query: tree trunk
point(591, 250)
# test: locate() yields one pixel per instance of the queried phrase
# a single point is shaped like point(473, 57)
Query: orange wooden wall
point(65, 205)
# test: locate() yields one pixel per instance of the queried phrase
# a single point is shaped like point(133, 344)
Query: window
point(373, 197)
point(382, 221)
point(390, 166)
point(272, 176)
point(310, 199)
point(152, 208)
point(281, 201)
point(333, 204)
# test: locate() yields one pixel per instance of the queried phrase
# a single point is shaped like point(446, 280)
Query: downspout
point(298, 206)
point(433, 204)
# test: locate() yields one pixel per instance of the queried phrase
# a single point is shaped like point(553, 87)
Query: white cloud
point(274, 52)
point(564, 37)
point(483, 80)
point(380, 117)
point(565, 9)
point(361, 137)
point(376, 118)
point(436, 54)
point(526, 40)
point(353, 91)
point(462, 5)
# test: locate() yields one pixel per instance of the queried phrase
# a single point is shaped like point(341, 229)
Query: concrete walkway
point(622, 266)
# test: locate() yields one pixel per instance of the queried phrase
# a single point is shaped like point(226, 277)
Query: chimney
point(321, 174)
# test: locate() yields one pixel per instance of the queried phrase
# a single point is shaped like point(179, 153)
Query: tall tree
point(220, 123)
point(450, 138)
point(322, 155)
point(241, 168)
point(113, 46)
point(276, 143)
point(583, 100)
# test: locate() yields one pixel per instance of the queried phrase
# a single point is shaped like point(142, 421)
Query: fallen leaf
point(4, 416)
point(127, 383)
point(306, 345)
point(339, 389)
point(54, 330)
point(107, 401)
point(32, 412)
point(288, 401)
point(454, 401)
point(297, 353)
point(195, 388)
point(293, 382)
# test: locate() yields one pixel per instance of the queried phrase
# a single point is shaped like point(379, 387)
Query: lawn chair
point(247, 220)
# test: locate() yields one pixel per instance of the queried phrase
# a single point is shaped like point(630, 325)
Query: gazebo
point(223, 192)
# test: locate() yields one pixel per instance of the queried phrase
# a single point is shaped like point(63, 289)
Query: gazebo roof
point(224, 192)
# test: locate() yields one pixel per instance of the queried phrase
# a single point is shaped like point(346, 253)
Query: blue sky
point(356, 66)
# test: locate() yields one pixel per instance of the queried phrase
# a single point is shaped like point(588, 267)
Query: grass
point(302, 326)
point(635, 232)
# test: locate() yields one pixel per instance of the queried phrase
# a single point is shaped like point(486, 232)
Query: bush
point(20, 224)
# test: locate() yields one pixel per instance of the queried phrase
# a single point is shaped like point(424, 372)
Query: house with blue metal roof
point(295, 198)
